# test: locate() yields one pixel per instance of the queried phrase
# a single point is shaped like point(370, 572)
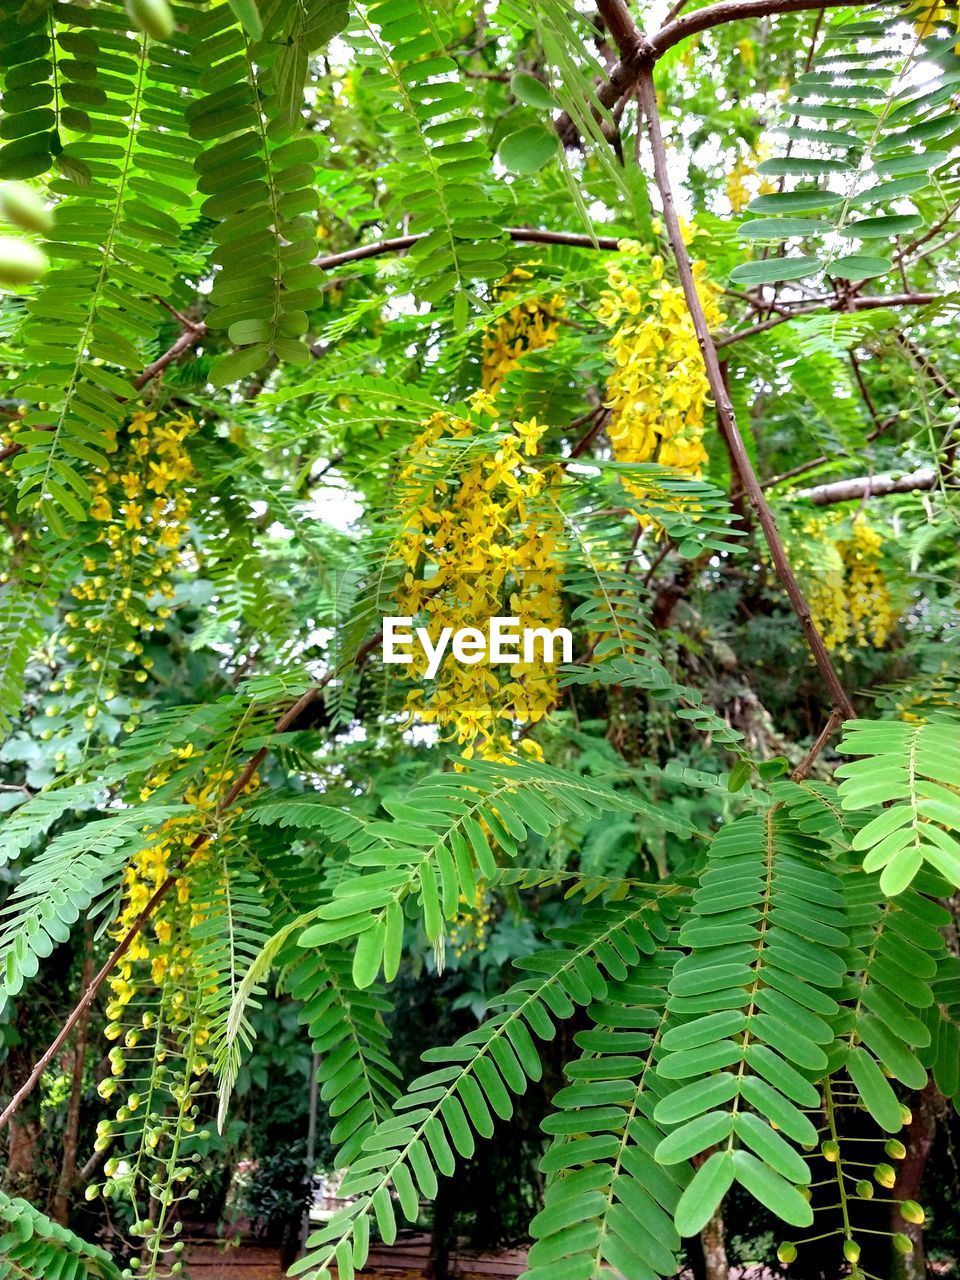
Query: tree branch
point(872, 303)
point(824, 495)
point(522, 235)
point(286, 721)
point(625, 76)
point(726, 418)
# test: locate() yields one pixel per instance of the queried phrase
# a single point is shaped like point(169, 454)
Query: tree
point(316, 318)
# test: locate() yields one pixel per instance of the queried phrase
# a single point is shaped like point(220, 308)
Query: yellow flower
point(133, 512)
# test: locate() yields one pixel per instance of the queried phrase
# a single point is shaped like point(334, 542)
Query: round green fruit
point(22, 206)
point(152, 17)
point(20, 262)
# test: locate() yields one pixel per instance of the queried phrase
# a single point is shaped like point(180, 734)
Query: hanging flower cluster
point(470, 927)
point(658, 389)
point(847, 590)
point(159, 1010)
point(481, 543)
point(141, 505)
point(531, 325)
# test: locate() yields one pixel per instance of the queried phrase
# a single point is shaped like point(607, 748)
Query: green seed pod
point(787, 1252)
point(20, 262)
point(152, 17)
point(865, 1190)
point(851, 1250)
point(912, 1212)
point(895, 1149)
point(903, 1244)
point(22, 206)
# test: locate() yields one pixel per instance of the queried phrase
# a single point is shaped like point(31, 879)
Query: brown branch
point(824, 495)
point(68, 1166)
point(725, 415)
point(643, 53)
point(600, 417)
point(522, 235)
point(189, 338)
point(826, 733)
point(286, 721)
point(803, 467)
point(871, 303)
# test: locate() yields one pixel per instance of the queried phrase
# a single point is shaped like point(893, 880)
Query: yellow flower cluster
point(479, 544)
point(141, 504)
point(658, 389)
point(528, 326)
point(158, 1008)
point(471, 925)
point(928, 13)
point(872, 614)
point(847, 590)
point(745, 169)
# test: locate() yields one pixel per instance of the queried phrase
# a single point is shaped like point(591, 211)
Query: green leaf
point(888, 224)
point(774, 270)
point(787, 202)
point(706, 1190)
point(771, 1190)
point(873, 1087)
point(529, 149)
point(858, 266)
point(533, 92)
point(248, 15)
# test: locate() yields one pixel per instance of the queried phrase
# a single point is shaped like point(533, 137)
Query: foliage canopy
point(634, 323)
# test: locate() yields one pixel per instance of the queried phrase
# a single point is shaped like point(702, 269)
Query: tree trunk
point(60, 1206)
point(715, 1265)
point(918, 1139)
point(441, 1237)
point(21, 1158)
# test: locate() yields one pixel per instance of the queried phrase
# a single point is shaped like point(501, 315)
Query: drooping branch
point(79, 1012)
point(726, 418)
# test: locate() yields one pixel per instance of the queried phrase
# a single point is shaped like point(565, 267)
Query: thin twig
point(826, 733)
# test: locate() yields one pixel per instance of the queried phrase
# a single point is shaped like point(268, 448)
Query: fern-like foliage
point(914, 770)
point(437, 847)
point(255, 170)
point(751, 1007)
point(607, 1204)
point(76, 868)
point(898, 949)
point(439, 153)
point(358, 1081)
point(864, 137)
point(32, 1247)
point(125, 187)
point(436, 1121)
